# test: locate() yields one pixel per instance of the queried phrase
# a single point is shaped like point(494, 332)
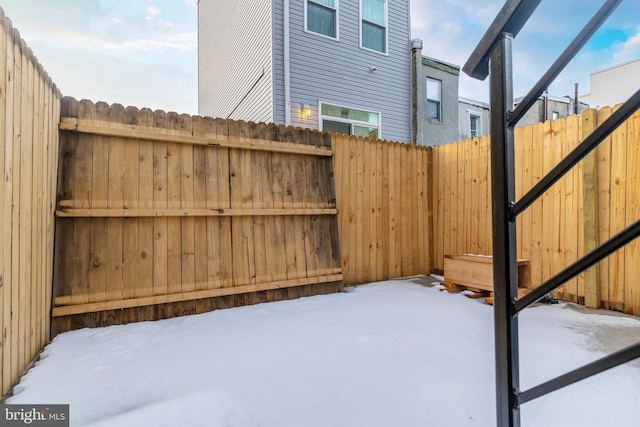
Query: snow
point(396, 353)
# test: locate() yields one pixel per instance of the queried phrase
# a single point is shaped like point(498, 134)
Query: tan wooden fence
point(29, 111)
point(553, 232)
point(383, 201)
point(161, 215)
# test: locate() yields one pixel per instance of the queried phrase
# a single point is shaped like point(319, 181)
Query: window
point(475, 125)
point(350, 121)
point(373, 25)
point(434, 99)
point(321, 17)
point(555, 115)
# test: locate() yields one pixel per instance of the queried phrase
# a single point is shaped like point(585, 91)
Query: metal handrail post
point(505, 270)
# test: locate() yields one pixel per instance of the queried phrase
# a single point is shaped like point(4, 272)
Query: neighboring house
point(473, 118)
point(435, 99)
point(338, 65)
point(549, 107)
point(613, 85)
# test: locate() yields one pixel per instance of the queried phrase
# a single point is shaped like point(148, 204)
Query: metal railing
point(493, 57)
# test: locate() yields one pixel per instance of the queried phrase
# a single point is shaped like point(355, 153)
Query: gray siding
point(337, 72)
point(445, 130)
point(278, 61)
point(235, 59)
point(467, 106)
point(563, 106)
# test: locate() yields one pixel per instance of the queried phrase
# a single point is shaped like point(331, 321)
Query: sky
point(144, 52)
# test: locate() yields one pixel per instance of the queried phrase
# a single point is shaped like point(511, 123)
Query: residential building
point(338, 65)
point(473, 118)
point(549, 107)
point(613, 85)
point(434, 99)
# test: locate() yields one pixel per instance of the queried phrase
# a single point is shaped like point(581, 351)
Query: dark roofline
point(440, 65)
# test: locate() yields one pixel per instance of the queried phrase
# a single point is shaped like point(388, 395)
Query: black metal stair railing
point(493, 57)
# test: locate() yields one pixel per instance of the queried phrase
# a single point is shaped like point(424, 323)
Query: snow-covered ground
point(386, 354)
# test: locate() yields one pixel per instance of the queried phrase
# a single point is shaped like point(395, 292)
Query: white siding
point(235, 59)
point(337, 72)
point(613, 85)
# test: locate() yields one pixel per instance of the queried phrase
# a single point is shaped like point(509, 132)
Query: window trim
point(477, 114)
point(337, 10)
point(352, 122)
point(386, 30)
point(439, 101)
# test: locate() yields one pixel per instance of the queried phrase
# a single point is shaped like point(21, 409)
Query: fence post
point(505, 274)
point(592, 297)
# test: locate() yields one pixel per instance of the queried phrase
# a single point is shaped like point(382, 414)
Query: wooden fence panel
point(632, 199)
point(383, 202)
point(551, 232)
point(163, 215)
point(29, 111)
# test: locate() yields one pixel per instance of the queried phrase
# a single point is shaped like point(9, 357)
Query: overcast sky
point(144, 52)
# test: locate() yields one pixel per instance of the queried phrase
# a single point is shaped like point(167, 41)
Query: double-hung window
point(322, 17)
point(475, 125)
point(434, 99)
point(351, 121)
point(373, 25)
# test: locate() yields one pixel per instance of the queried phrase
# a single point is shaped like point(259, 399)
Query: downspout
point(287, 70)
point(416, 93)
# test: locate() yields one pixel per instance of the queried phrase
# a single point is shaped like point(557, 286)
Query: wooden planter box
point(476, 271)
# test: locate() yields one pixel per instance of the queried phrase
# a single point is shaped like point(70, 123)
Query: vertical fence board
point(632, 200)
point(25, 209)
point(146, 236)
point(557, 218)
point(438, 207)
point(5, 252)
point(17, 308)
point(368, 166)
point(160, 200)
point(200, 261)
point(526, 177)
point(518, 168)
point(484, 207)
point(422, 213)
point(460, 199)
point(604, 206)
point(386, 216)
point(570, 225)
point(617, 211)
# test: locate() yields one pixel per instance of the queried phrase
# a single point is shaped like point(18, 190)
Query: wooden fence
point(383, 201)
point(29, 111)
point(161, 215)
point(553, 232)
